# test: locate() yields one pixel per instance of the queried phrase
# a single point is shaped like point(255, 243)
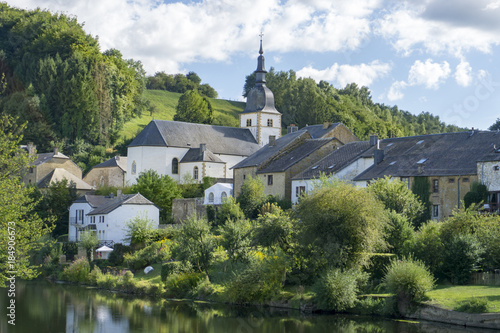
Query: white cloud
point(463, 74)
point(395, 91)
point(363, 74)
point(428, 73)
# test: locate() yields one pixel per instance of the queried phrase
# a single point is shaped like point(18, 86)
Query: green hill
point(164, 104)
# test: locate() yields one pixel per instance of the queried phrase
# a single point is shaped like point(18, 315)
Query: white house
point(107, 216)
point(215, 194)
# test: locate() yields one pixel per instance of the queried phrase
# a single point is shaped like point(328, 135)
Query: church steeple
point(260, 73)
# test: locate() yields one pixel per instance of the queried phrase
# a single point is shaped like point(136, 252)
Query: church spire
point(260, 73)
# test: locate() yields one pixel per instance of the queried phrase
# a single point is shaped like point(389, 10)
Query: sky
point(437, 56)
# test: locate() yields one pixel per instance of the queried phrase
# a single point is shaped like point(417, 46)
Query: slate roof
point(93, 200)
point(336, 160)
point(117, 161)
point(291, 157)
point(218, 139)
point(194, 155)
point(317, 131)
point(446, 154)
point(267, 152)
point(44, 157)
point(125, 199)
point(59, 174)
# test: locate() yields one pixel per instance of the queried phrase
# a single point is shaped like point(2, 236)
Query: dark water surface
point(51, 307)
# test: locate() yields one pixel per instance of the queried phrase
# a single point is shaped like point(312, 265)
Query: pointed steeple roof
point(260, 98)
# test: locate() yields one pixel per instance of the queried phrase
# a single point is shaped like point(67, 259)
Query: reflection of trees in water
point(68, 308)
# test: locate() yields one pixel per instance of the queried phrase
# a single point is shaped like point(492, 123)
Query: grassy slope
point(451, 296)
point(165, 102)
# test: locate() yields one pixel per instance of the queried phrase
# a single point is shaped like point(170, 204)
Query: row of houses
point(287, 165)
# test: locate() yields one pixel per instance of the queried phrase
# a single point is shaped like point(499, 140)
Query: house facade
point(107, 216)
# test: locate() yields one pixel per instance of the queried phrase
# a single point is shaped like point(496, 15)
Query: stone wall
point(182, 209)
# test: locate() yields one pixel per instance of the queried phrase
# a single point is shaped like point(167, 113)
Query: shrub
point(78, 271)
point(116, 257)
point(473, 305)
point(70, 249)
point(127, 282)
point(183, 284)
point(409, 279)
point(260, 280)
point(153, 253)
point(107, 281)
point(174, 267)
point(379, 262)
point(94, 275)
point(337, 290)
point(461, 258)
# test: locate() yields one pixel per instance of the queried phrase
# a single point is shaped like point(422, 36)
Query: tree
point(194, 108)
point(252, 197)
point(89, 241)
point(161, 190)
point(276, 229)
point(342, 223)
point(138, 230)
point(422, 189)
point(396, 196)
point(236, 238)
point(20, 228)
point(495, 126)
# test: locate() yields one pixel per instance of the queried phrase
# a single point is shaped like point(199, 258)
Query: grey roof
point(114, 203)
point(116, 161)
point(58, 174)
point(194, 155)
point(267, 152)
point(218, 139)
point(260, 99)
point(447, 154)
point(44, 157)
point(292, 156)
point(93, 200)
point(336, 160)
point(318, 131)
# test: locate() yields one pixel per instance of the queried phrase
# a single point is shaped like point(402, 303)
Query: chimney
point(272, 140)
point(378, 156)
point(292, 128)
point(56, 151)
point(326, 124)
point(373, 140)
point(117, 157)
point(119, 193)
point(203, 147)
point(31, 148)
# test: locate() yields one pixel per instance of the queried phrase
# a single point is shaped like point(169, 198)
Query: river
point(45, 307)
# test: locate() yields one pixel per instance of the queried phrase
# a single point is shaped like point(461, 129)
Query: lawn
point(153, 276)
point(450, 297)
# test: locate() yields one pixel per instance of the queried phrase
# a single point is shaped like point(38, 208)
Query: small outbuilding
point(215, 194)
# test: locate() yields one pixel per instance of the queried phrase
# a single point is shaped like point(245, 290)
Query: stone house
point(109, 173)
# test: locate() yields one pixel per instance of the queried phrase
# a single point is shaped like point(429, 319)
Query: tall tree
point(194, 108)
point(20, 228)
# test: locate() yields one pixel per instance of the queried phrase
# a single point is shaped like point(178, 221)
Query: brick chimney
point(373, 140)
point(56, 151)
point(326, 124)
point(292, 128)
point(272, 140)
point(31, 148)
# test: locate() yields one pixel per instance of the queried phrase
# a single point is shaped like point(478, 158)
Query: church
point(193, 151)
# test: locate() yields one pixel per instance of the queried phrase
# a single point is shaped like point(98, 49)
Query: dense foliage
point(193, 108)
point(180, 83)
point(303, 101)
point(57, 79)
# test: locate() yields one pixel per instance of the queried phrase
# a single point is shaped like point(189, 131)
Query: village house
point(109, 173)
point(193, 151)
point(280, 160)
point(52, 167)
point(107, 216)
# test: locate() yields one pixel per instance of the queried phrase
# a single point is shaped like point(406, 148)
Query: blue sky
point(437, 56)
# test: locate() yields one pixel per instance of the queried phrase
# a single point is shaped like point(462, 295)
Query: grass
point(152, 277)
point(451, 297)
point(165, 103)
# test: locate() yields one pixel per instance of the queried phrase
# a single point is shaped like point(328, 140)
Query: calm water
point(49, 307)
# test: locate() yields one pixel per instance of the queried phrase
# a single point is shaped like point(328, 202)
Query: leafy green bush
point(107, 281)
point(153, 253)
point(337, 290)
point(116, 257)
point(462, 256)
point(94, 275)
point(473, 305)
point(260, 280)
point(409, 279)
point(379, 262)
point(78, 271)
point(70, 249)
point(174, 267)
point(183, 284)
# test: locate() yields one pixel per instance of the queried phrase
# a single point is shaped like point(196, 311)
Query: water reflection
point(49, 307)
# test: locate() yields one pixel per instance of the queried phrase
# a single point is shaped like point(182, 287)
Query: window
point(244, 177)
point(92, 219)
point(249, 122)
point(466, 180)
point(100, 236)
point(195, 173)
point(134, 168)
point(299, 190)
point(79, 216)
point(31, 170)
point(103, 234)
point(435, 185)
point(211, 197)
point(175, 166)
point(101, 219)
point(223, 196)
point(269, 179)
point(435, 210)
point(102, 180)
point(451, 180)
point(269, 123)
